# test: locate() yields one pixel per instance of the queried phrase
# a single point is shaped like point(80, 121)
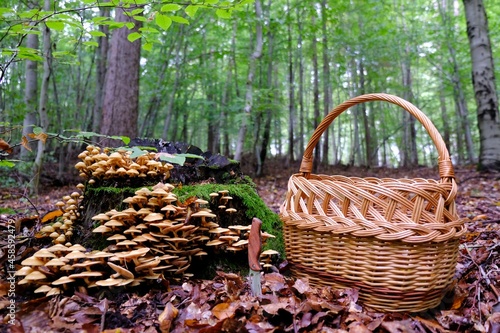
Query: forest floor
point(225, 303)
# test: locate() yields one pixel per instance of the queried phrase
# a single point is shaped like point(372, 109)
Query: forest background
point(248, 79)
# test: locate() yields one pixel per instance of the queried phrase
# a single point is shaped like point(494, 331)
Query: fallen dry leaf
point(167, 317)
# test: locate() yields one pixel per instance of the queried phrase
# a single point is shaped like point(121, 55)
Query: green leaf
point(91, 43)
point(210, 2)
point(130, 25)
point(149, 29)
point(176, 159)
point(8, 164)
point(163, 21)
point(136, 152)
point(55, 25)
point(137, 11)
point(132, 37)
point(140, 18)
point(125, 139)
point(223, 13)
point(170, 7)
point(179, 19)
point(191, 10)
point(147, 46)
point(60, 53)
point(37, 130)
point(97, 33)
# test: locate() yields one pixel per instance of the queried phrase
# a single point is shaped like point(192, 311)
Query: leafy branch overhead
point(66, 18)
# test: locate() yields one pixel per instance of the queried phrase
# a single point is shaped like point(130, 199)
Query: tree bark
point(30, 91)
point(121, 93)
point(101, 60)
point(316, 121)
point(291, 91)
point(483, 80)
point(249, 85)
point(326, 80)
point(42, 107)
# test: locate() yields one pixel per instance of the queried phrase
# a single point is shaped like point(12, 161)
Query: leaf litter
point(225, 303)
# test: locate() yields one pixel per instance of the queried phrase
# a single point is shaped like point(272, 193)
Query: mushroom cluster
point(154, 238)
point(61, 231)
point(97, 164)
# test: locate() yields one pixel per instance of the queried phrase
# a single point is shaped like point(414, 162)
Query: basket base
point(379, 299)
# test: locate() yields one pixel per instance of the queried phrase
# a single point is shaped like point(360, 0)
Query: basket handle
point(444, 163)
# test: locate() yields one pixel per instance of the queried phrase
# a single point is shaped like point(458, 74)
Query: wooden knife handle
point(254, 245)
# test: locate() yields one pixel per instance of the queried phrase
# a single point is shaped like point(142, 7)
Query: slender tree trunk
point(261, 152)
point(483, 80)
point(175, 86)
point(30, 90)
point(249, 85)
point(121, 94)
point(42, 107)
point(409, 139)
point(316, 108)
point(300, 56)
point(101, 59)
point(326, 80)
point(291, 90)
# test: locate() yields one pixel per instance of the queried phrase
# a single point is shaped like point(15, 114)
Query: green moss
point(254, 206)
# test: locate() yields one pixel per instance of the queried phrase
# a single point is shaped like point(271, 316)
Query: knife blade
point(254, 248)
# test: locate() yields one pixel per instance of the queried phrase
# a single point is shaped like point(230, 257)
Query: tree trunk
point(410, 155)
point(121, 93)
point(42, 107)
point(30, 90)
point(249, 84)
point(291, 90)
point(483, 80)
point(300, 56)
point(326, 81)
point(316, 121)
point(101, 57)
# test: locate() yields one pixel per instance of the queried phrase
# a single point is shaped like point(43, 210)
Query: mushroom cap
point(55, 262)
point(142, 226)
point(43, 289)
point(201, 201)
point(231, 210)
point(53, 291)
point(159, 192)
point(149, 237)
point(122, 271)
point(218, 230)
point(203, 213)
point(109, 282)
point(214, 242)
point(154, 217)
point(77, 247)
point(214, 194)
point(269, 252)
point(132, 230)
point(240, 243)
point(116, 237)
point(75, 255)
point(86, 263)
point(126, 243)
point(139, 252)
point(113, 223)
point(35, 276)
point(48, 229)
point(62, 280)
point(102, 229)
point(149, 264)
point(24, 271)
point(32, 261)
point(44, 253)
point(144, 211)
point(99, 254)
point(83, 275)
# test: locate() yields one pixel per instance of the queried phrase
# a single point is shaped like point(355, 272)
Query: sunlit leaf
point(91, 43)
point(7, 164)
point(170, 7)
point(55, 25)
point(130, 25)
point(163, 21)
point(223, 13)
point(136, 152)
point(137, 11)
point(147, 46)
point(191, 10)
point(179, 19)
point(132, 37)
point(140, 18)
point(97, 33)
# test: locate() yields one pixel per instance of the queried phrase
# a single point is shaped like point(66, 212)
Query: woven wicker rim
point(446, 172)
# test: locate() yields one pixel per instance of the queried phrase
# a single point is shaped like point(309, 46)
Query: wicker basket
point(396, 240)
